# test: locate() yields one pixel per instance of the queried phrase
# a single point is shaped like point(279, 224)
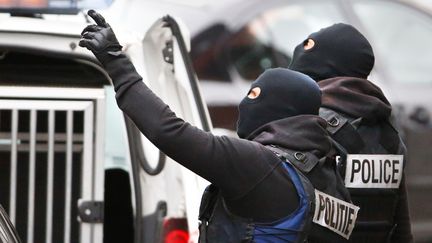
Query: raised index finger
point(98, 18)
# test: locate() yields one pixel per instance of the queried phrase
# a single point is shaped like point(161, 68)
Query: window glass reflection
point(402, 37)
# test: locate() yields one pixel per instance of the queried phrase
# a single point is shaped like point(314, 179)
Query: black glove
point(100, 39)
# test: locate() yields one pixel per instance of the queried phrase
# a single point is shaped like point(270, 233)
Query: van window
point(273, 35)
point(115, 134)
point(401, 35)
point(267, 41)
point(291, 25)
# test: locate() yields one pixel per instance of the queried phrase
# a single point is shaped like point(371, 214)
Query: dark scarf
point(355, 97)
point(303, 133)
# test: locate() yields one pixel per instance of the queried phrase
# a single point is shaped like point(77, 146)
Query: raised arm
point(234, 165)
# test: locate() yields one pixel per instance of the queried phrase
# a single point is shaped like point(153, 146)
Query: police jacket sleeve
point(234, 165)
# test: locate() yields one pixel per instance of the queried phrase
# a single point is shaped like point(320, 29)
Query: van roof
point(54, 25)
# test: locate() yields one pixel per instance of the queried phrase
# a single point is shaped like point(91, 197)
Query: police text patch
point(373, 170)
point(337, 215)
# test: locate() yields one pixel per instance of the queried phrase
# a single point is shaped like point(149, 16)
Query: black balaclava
point(284, 93)
point(340, 50)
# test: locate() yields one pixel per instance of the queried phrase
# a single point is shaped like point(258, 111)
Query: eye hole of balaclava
point(308, 44)
point(254, 93)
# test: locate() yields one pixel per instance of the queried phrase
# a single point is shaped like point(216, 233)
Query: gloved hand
point(100, 39)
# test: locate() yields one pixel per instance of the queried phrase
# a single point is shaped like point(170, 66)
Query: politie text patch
point(373, 170)
point(337, 215)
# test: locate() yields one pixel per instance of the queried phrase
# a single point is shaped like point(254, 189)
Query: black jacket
point(358, 98)
point(250, 176)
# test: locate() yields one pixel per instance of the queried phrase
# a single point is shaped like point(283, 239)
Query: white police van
point(73, 168)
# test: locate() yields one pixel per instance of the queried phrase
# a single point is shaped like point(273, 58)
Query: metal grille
point(46, 165)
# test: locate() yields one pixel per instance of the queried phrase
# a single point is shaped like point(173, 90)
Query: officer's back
point(340, 59)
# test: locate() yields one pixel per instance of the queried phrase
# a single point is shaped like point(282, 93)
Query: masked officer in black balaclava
point(340, 59)
point(263, 184)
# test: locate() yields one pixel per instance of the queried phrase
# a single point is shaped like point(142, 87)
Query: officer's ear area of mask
point(338, 50)
point(283, 93)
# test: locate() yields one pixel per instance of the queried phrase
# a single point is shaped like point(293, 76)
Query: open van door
point(168, 194)
point(73, 168)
